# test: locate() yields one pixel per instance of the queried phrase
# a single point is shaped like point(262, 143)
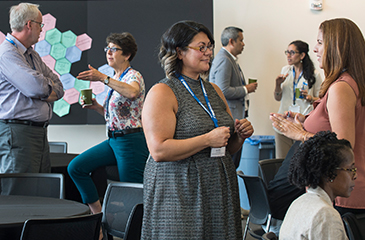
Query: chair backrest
point(269, 236)
point(260, 211)
point(119, 200)
point(112, 173)
point(268, 168)
point(32, 184)
point(86, 227)
point(57, 147)
point(354, 225)
point(134, 224)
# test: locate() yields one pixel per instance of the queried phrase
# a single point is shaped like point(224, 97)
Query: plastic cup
point(252, 80)
point(297, 92)
point(86, 96)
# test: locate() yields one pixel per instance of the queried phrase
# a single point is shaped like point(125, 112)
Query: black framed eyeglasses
point(291, 52)
point(203, 48)
point(353, 170)
point(40, 24)
point(112, 49)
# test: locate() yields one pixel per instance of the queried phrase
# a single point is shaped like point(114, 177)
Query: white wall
point(269, 26)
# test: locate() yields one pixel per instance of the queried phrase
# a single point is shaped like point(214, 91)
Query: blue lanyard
point(11, 41)
point(295, 83)
point(31, 57)
point(210, 109)
point(112, 90)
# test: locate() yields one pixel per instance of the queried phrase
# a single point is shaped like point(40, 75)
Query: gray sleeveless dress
point(197, 197)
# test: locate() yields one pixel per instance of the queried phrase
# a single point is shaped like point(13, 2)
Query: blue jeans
point(129, 153)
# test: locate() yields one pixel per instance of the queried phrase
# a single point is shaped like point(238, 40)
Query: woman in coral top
point(340, 51)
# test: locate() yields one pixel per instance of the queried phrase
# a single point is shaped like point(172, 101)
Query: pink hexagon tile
point(71, 96)
point(97, 87)
point(83, 42)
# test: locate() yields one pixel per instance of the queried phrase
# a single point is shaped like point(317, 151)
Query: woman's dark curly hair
point(317, 158)
point(308, 66)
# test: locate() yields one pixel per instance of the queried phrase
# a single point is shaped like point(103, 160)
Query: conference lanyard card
point(218, 152)
point(294, 108)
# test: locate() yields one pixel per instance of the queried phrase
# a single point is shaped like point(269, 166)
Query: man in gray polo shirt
point(27, 86)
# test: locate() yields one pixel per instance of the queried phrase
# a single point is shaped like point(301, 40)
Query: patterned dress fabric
point(125, 113)
point(196, 197)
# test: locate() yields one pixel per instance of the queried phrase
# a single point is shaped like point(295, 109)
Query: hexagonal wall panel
point(61, 108)
point(68, 39)
point(53, 36)
point(2, 37)
point(83, 42)
point(43, 48)
point(62, 66)
point(58, 51)
point(67, 80)
point(49, 22)
point(49, 61)
point(73, 54)
point(71, 96)
point(80, 84)
point(97, 87)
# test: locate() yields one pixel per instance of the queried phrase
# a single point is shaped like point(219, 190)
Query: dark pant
point(129, 153)
point(23, 149)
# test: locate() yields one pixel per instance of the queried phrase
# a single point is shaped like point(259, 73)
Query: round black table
point(15, 210)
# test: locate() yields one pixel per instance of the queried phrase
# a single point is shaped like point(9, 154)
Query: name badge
point(294, 108)
point(218, 152)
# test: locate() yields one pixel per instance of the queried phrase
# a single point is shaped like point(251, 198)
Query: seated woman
point(126, 146)
point(325, 165)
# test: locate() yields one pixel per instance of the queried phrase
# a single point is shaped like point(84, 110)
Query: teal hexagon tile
point(49, 22)
point(61, 107)
point(68, 38)
point(62, 66)
point(58, 51)
point(80, 84)
point(53, 36)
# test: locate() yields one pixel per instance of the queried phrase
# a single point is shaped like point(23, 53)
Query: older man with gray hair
point(27, 86)
point(227, 74)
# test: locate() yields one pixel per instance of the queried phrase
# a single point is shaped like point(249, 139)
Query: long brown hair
point(344, 50)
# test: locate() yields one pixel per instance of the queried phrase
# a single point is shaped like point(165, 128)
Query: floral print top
point(125, 113)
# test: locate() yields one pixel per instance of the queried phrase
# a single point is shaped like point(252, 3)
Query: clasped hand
point(243, 128)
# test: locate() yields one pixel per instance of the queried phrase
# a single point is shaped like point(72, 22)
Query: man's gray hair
point(230, 33)
point(20, 14)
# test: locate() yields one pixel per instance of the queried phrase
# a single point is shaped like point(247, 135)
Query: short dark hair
point(178, 36)
point(230, 33)
point(125, 41)
point(317, 158)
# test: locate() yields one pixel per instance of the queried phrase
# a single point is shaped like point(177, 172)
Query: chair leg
point(246, 228)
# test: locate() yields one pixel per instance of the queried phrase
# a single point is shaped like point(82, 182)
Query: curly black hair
point(317, 158)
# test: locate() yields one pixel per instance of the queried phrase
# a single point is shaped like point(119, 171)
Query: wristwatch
point(106, 80)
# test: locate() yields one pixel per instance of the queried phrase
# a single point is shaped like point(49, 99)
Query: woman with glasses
point(126, 146)
point(190, 182)
point(340, 50)
point(299, 73)
point(326, 166)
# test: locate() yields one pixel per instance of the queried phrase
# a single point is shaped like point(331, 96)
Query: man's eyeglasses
point(112, 49)
point(353, 170)
point(291, 52)
point(203, 48)
point(40, 24)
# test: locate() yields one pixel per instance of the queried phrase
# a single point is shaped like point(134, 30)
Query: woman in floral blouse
point(126, 146)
